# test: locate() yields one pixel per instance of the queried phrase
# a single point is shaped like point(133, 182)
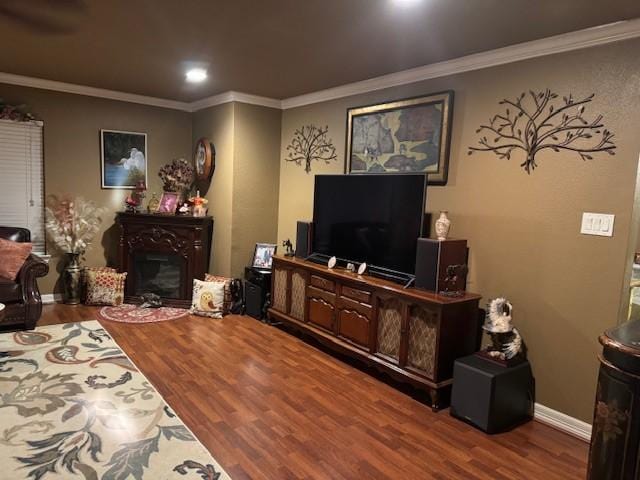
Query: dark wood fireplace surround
point(184, 239)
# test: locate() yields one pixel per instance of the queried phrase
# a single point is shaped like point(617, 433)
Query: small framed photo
point(168, 203)
point(263, 255)
point(123, 158)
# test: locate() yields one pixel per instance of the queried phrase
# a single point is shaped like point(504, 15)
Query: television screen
point(369, 218)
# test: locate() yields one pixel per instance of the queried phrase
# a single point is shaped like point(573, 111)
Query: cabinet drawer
point(317, 293)
point(356, 294)
point(323, 283)
point(321, 313)
point(354, 327)
point(361, 308)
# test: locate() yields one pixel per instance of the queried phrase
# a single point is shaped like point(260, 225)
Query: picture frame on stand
point(263, 255)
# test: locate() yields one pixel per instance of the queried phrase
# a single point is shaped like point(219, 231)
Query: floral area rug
point(134, 314)
point(73, 406)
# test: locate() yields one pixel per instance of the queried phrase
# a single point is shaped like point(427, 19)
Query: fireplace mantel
point(163, 254)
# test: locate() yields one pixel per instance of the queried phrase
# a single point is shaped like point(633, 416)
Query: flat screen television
point(375, 219)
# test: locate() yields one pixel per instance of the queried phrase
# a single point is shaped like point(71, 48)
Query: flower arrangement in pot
point(72, 225)
point(199, 205)
point(177, 177)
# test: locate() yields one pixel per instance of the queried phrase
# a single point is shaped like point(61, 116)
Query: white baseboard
point(563, 422)
point(49, 298)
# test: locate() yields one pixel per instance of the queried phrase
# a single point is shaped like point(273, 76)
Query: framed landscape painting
point(123, 158)
point(405, 136)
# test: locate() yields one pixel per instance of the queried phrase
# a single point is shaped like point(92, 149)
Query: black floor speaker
point(254, 300)
point(304, 236)
point(492, 397)
point(257, 287)
point(432, 259)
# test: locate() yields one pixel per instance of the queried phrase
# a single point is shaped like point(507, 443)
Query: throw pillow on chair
point(13, 255)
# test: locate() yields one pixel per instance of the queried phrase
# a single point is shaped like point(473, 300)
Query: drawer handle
point(320, 300)
point(357, 314)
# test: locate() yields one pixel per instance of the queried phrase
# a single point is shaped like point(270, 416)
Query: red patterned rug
point(135, 314)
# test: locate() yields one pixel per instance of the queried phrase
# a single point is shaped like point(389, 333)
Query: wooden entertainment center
point(411, 334)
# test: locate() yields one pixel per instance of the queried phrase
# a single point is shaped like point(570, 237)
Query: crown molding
point(232, 96)
point(590, 37)
point(226, 97)
point(43, 84)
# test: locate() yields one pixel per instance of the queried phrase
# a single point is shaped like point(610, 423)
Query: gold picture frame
point(168, 203)
point(405, 136)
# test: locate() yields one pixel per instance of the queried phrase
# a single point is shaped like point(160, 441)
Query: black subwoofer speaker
point(432, 259)
point(254, 299)
point(304, 237)
point(491, 397)
point(257, 287)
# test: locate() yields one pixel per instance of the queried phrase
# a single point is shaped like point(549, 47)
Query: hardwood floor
point(269, 406)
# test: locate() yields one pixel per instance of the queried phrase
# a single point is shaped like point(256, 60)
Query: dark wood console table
point(162, 254)
point(411, 334)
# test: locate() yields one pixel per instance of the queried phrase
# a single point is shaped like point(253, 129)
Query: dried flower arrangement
point(72, 223)
point(17, 113)
point(177, 176)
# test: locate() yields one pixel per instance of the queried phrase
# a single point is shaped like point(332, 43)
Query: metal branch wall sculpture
point(536, 122)
point(311, 143)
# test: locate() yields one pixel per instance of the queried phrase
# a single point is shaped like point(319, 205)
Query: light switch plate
point(600, 224)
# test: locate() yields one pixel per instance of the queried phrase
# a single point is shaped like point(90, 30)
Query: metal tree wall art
point(538, 121)
point(311, 143)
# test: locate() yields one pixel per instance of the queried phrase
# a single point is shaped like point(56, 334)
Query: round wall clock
point(204, 159)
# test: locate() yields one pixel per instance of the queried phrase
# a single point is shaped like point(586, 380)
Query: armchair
point(21, 297)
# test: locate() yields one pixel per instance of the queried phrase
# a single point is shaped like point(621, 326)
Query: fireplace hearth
point(163, 254)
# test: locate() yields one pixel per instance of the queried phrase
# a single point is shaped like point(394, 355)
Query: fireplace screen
point(158, 273)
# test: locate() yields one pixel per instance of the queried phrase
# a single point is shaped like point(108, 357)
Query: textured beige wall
point(243, 197)
point(523, 230)
point(72, 126)
point(256, 177)
point(216, 124)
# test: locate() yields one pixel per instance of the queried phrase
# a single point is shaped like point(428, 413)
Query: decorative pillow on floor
point(105, 288)
point(228, 299)
point(13, 256)
point(83, 278)
point(208, 298)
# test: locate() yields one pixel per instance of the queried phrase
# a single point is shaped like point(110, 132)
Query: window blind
point(21, 179)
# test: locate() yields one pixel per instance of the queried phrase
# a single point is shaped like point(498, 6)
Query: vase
point(199, 211)
point(71, 279)
point(443, 225)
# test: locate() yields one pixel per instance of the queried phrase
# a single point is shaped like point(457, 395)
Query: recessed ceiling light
point(196, 75)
